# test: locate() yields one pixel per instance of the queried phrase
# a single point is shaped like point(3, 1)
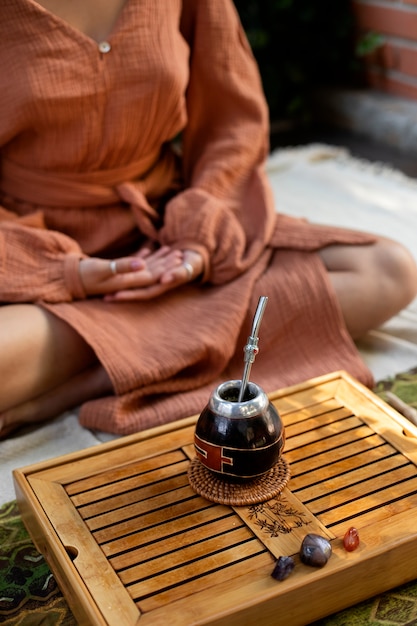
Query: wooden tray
point(130, 542)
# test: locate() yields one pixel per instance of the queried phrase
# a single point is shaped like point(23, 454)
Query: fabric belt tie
point(145, 216)
point(130, 184)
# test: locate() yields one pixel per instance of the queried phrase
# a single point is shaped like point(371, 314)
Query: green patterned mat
point(29, 595)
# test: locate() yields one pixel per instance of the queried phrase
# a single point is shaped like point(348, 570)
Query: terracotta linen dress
point(89, 168)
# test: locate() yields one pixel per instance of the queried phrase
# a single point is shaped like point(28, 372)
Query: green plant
point(299, 45)
point(368, 43)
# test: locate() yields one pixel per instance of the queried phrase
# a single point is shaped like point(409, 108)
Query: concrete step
point(382, 117)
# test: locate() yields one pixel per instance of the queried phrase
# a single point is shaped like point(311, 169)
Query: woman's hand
point(165, 271)
point(127, 274)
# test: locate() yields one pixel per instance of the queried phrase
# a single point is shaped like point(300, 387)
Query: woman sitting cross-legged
point(137, 225)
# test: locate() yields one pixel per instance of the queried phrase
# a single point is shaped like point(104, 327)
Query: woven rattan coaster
point(259, 489)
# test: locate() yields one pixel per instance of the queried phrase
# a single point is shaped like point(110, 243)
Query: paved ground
point(372, 125)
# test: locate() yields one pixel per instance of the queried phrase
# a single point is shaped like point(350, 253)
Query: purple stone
point(283, 568)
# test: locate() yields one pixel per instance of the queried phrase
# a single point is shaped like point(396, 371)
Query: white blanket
point(324, 184)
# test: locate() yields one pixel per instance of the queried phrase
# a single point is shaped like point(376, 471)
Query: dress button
point(104, 47)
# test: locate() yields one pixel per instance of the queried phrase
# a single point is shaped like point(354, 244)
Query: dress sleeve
point(37, 264)
point(226, 210)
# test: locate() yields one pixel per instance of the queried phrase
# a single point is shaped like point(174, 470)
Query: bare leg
point(372, 282)
point(39, 356)
point(87, 385)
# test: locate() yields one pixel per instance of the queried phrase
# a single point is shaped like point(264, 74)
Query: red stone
point(351, 539)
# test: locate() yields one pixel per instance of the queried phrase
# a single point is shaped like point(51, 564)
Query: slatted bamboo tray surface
point(130, 543)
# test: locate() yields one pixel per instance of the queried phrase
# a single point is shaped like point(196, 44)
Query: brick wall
point(393, 66)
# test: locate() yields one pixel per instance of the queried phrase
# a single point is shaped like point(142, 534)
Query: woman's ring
point(189, 269)
point(113, 267)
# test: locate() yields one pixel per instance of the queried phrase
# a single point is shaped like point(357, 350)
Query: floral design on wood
point(277, 517)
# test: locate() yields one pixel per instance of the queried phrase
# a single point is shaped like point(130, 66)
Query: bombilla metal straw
point(251, 349)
